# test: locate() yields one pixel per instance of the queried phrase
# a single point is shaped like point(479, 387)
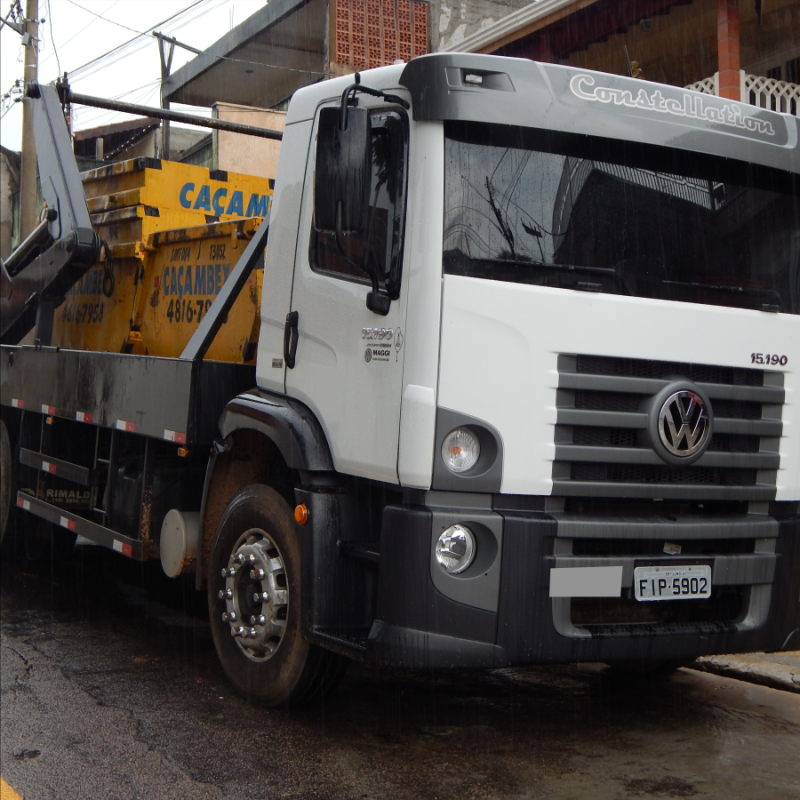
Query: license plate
point(672, 583)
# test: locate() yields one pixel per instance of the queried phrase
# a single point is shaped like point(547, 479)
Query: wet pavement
point(111, 689)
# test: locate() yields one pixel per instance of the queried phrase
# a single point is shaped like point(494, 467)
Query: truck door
point(349, 360)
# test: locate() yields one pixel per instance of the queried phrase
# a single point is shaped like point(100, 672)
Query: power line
point(136, 45)
point(135, 38)
point(52, 36)
point(139, 43)
point(191, 49)
point(100, 113)
point(76, 39)
point(12, 97)
point(105, 19)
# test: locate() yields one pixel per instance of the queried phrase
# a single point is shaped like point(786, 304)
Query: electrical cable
point(10, 106)
point(105, 19)
point(138, 44)
point(75, 39)
point(135, 38)
point(137, 96)
point(52, 36)
point(99, 113)
point(195, 50)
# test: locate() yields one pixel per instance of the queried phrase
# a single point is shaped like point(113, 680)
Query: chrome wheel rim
point(256, 595)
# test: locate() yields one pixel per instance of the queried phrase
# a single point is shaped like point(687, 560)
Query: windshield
point(572, 212)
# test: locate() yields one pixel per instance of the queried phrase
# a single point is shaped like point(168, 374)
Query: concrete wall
point(182, 139)
point(9, 184)
point(251, 155)
point(451, 21)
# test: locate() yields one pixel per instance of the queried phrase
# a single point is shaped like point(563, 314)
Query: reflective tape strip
point(82, 416)
point(130, 427)
point(48, 467)
point(23, 503)
point(48, 409)
point(175, 436)
point(17, 403)
point(69, 524)
point(123, 548)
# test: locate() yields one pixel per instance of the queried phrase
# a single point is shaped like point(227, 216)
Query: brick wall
point(374, 33)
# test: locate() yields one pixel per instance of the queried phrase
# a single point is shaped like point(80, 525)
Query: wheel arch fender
point(266, 439)
point(292, 427)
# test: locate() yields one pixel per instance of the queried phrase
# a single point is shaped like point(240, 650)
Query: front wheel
point(254, 600)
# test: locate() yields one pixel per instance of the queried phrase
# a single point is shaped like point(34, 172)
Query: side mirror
point(343, 170)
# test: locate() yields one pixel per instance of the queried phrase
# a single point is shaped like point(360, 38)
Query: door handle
point(290, 337)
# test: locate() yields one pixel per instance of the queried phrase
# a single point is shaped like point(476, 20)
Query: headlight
point(460, 450)
point(455, 549)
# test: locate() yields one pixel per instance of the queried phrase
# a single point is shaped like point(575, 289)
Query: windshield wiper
point(543, 265)
point(723, 288)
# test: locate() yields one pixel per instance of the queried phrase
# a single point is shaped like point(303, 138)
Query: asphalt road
point(111, 690)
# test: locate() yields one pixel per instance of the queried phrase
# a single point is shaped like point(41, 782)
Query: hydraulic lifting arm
point(38, 274)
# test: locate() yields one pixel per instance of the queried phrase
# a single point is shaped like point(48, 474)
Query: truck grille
point(600, 451)
point(626, 616)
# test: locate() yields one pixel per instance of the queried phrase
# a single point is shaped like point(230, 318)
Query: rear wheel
point(254, 600)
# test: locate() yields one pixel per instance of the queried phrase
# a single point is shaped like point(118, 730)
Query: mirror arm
point(359, 87)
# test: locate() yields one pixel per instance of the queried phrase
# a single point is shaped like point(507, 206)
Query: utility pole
point(166, 66)
point(29, 210)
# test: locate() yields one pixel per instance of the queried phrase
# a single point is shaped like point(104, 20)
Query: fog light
point(460, 450)
point(455, 549)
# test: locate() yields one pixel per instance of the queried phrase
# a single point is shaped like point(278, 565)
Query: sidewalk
point(778, 670)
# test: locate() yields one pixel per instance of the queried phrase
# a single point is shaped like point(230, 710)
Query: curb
point(752, 669)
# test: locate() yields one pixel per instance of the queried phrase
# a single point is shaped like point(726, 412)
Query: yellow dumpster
point(166, 253)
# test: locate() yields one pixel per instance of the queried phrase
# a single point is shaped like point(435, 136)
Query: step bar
point(83, 527)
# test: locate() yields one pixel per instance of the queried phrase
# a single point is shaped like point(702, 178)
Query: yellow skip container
point(165, 257)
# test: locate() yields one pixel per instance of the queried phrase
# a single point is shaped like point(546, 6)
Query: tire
point(259, 640)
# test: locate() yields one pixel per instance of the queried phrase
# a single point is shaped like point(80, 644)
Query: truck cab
point(581, 266)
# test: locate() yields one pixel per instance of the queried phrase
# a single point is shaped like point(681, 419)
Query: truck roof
point(515, 91)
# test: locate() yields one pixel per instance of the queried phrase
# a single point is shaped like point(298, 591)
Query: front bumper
point(505, 614)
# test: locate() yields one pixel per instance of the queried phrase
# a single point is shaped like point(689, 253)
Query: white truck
point(526, 388)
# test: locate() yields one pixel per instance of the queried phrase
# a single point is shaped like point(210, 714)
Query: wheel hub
point(256, 595)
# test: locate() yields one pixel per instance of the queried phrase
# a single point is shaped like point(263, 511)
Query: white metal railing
point(758, 91)
point(707, 85)
point(771, 94)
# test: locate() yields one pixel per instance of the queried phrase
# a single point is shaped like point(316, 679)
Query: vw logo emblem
point(684, 427)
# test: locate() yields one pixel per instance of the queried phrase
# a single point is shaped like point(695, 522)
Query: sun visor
point(512, 91)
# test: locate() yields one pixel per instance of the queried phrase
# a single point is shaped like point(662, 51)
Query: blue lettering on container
point(203, 199)
point(236, 205)
point(185, 200)
point(200, 279)
point(257, 207)
point(219, 196)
